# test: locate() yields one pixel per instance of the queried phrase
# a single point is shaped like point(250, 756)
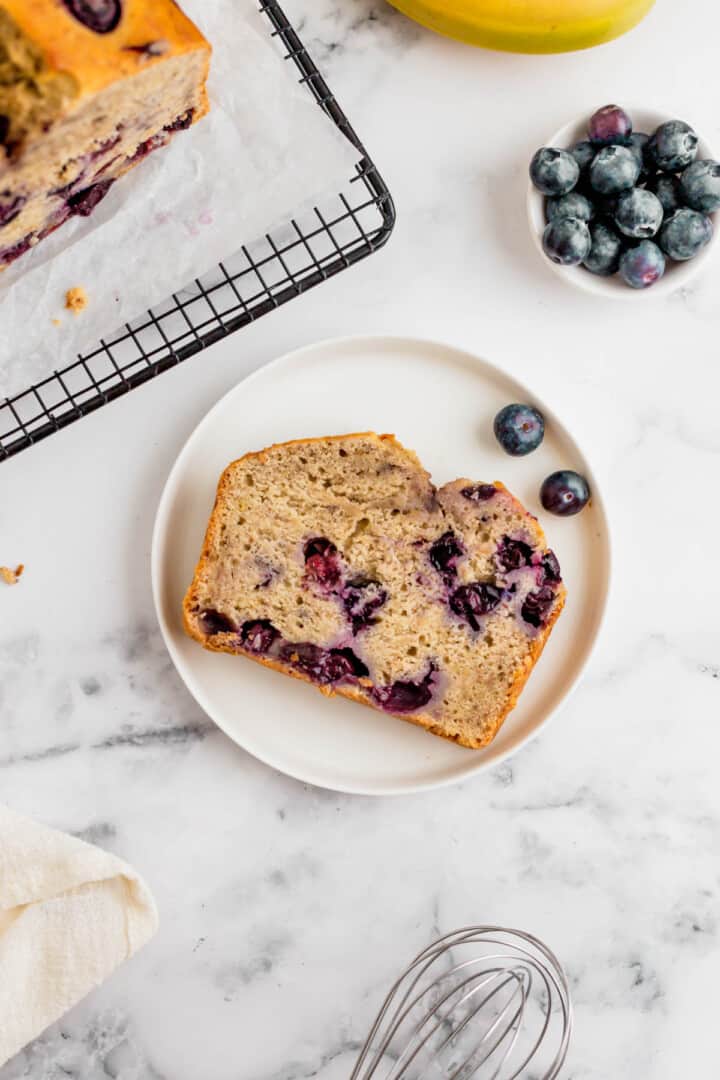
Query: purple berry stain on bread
point(10, 206)
point(321, 665)
point(445, 552)
point(214, 622)
point(258, 635)
point(404, 696)
point(512, 554)
point(473, 601)
point(100, 16)
point(550, 566)
point(322, 562)
point(537, 606)
point(479, 492)
point(361, 599)
point(181, 123)
point(84, 202)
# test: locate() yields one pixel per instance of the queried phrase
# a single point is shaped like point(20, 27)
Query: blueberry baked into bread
point(337, 561)
point(88, 88)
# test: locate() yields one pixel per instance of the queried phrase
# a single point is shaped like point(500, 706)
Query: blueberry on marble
point(322, 562)
point(473, 601)
point(572, 205)
point(361, 599)
point(605, 250)
point(667, 189)
point(101, 16)
point(673, 146)
point(404, 696)
point(564, 493)
point(643, 265)
point(639, 213)
point(614, 169)
point(700, 185)
point(479, 492)
point(258, 635)
point(566, 241)
point(611, 124)
point(512, 554)
point(519, 429)
point(445, 552)
point(537, 605)
point(685, 233)
point(554, 172)
point(214, 622)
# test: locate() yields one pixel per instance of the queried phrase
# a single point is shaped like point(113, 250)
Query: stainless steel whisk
point(480, 1002)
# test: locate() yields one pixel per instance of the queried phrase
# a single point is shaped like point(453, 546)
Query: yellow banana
point(529, 26)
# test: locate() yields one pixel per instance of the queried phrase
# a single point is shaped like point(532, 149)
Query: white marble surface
point(285, 910)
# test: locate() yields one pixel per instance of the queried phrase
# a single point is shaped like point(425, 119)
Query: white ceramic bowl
point(677, 274)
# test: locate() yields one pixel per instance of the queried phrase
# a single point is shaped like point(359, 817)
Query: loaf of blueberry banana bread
point(337, 561)
point(88, 88)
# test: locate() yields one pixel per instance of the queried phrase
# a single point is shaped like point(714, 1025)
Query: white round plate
point(677, 274)
point(440, 402)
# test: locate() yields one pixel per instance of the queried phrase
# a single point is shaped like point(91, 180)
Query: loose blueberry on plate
point(684, 233)
point(700, 185)
point(605, 250)
point(667, 189)
point(614, 169)
point(572, 205)
point(611, 124)
point(554, 172)
point(564, 493)
point(643, 265)
point(519, 429)
point(566, 241)
point(639, 213)
point(673, 146)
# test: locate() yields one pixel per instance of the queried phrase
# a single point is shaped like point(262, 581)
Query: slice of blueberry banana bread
point(337, 561)
point(88, 88)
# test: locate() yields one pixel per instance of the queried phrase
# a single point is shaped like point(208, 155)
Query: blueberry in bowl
point(636, 169)
point(638, 214)
point(643, 265)
point(554, 172)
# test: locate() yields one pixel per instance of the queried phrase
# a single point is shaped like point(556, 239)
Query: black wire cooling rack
point(259, 278)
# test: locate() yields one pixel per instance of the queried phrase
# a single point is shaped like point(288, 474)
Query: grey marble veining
point(285, 910)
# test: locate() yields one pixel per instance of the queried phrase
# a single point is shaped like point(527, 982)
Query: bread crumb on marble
point(11, 577)
point(76, 299)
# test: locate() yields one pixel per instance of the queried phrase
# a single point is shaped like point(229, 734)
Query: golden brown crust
point(96, 60)
point(226, 643)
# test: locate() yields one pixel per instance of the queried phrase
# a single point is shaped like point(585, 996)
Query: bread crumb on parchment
point(11, 577)
point(76, 299)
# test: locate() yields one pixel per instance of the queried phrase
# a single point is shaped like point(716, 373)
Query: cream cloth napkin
point(69, 914)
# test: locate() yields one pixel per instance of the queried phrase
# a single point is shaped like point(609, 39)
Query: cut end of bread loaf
point(337, 561)
point(87, 91)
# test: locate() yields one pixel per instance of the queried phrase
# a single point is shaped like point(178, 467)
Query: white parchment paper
point(263, 151)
